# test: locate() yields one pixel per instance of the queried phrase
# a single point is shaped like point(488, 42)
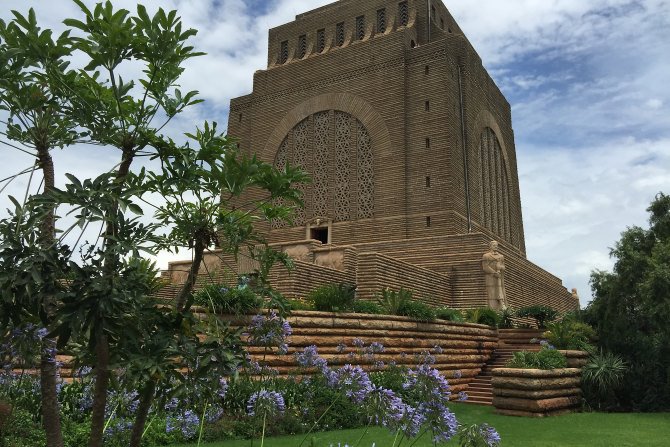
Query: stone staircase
point(480, 390)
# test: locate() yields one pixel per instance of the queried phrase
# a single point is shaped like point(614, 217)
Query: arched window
point(494, 188)
point(336, 150)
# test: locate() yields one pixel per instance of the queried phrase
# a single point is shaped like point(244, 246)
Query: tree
point(31, 63)
point(631, 309)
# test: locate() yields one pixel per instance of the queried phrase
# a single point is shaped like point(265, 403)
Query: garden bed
point(536, 392)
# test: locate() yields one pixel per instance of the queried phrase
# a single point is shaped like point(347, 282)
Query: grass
point(572, 430)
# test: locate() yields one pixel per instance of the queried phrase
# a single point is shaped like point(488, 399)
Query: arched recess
point(335, 138)
point(345, 102)
point(495, 180)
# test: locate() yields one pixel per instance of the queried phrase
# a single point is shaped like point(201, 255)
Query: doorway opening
point(320, 234)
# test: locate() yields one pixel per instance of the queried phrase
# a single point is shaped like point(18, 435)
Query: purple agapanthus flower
point(309, 357)
point(266, 402)
point(351, 380)
point(269, 331)
point(490, 435)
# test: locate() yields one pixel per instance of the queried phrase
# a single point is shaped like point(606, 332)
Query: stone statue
point(493, 264)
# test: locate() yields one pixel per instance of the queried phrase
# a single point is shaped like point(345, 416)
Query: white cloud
point(587, 81)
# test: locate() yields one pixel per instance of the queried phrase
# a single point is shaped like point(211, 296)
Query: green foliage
point(222, 299)
point(482, 315)
point(446, 313)
point(602, 376)
point(570, 334)
point(505, 319)
point(541, 314)
point(631, 309)
point(300, 305)
point(367, 307)
point(333, 297)
point(417, 310)
point(544, 359)
point(21, 430)
point(392, 301)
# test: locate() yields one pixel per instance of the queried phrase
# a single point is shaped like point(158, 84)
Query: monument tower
point(410, 147)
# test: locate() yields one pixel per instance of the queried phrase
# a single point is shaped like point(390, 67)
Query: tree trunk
point(100, 391)
point(142, 412)
point(102, 373)
point(187, 288)
point(48, 370)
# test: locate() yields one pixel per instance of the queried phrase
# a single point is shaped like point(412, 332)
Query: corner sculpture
point(493, 264)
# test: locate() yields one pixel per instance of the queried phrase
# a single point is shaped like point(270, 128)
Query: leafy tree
point(32, 63)
point(103, 302)
point(631, 309)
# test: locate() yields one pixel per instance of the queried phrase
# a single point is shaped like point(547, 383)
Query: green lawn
point(582, 429)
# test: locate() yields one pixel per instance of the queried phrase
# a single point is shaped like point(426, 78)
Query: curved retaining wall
point(465, 347)
point(536, 392)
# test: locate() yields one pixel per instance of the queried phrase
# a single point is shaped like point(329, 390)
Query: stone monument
point(493, 264)
point(410, 147)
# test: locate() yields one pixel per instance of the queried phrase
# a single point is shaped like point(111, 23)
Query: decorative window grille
point(302, 46)
point(339, 34)
point(336, 150)
point(342, 166)
point(320, 40)
point(280, 164)
point(360, 27)
point(366, 174)
point(381, 20)
point(494, 187)
point(403, 13)
point(283, 52)
point(301, 159)
point(322, 166)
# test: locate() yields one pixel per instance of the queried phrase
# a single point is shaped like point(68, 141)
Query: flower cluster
point(270, 331)
point(186, 421)
point(351, 380)
point(309, 357)
point(266, 402)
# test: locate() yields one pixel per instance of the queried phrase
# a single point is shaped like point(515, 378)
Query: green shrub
point(367, 307)
point(220, 298)
point(483, 315)
point(544, 359)
point(417, 310)
point(541, 314)
point(300, 305)
point(570, 334)
point(22, 430)
point(505, 319)
point(602, 375)
point(333, 297)
point(446, 313)
point(391, 301)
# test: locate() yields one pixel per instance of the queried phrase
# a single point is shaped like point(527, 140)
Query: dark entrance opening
point(320, 234)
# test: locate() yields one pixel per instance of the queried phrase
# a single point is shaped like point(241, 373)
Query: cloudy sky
point(588, 81)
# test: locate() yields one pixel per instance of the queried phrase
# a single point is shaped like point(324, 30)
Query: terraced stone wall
point(460, 349)
point(535, 392)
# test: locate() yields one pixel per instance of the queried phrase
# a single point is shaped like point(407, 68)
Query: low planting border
point(465, 347)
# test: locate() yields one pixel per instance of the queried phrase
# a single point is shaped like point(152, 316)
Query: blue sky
point(587, 81)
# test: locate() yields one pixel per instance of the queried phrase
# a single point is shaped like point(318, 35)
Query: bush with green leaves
point(221, 298)
point(367, 307)
point(333, 297)
point(391, 300)
point(631, 310)
point(602, 376)
point(416, 310)
point(570, 334)
point(483, 315)
point(446, 313)
point(546, 358)
point(300, 305)
point(540, 313)
point(506, 319)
